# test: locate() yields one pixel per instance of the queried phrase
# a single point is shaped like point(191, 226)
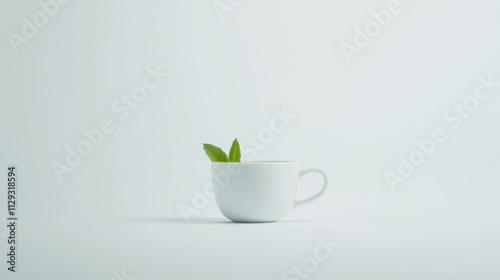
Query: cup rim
point(259, 162)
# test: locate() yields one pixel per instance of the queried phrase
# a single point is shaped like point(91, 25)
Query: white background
point(119, 208)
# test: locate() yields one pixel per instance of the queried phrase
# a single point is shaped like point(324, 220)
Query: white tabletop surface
point(215, 248)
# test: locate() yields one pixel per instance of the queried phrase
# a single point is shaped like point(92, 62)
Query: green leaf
point(215, 154)
point(235, 153)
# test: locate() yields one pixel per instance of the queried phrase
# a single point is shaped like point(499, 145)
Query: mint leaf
point(215, 154)
point(235, 153)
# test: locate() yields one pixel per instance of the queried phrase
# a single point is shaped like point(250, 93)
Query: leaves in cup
point(216, 154)
point(235, 153)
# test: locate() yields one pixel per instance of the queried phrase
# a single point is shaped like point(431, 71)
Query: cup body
point(255, 191)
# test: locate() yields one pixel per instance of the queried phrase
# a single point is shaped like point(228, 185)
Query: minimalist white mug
point(259, 191)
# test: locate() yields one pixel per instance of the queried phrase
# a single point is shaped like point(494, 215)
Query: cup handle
point(314, 197)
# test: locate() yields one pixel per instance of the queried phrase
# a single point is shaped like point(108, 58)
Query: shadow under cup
point(258, 191)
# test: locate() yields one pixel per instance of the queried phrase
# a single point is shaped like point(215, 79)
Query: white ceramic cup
point(259, 191)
